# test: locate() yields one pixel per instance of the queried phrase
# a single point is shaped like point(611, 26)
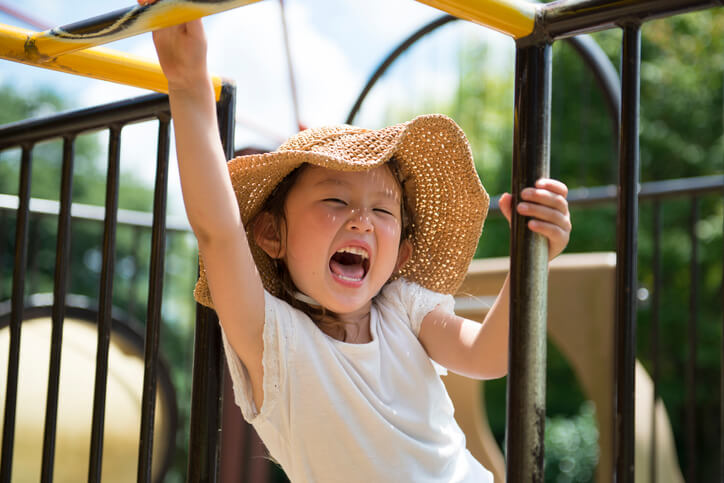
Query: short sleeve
point(277, 352)
point(416, 301)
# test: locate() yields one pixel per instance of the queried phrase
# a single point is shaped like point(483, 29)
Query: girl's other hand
point(546, 204)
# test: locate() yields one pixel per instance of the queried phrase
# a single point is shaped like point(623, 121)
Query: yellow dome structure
point(75, 406)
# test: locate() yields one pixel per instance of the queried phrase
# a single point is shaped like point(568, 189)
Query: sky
point(335, 47)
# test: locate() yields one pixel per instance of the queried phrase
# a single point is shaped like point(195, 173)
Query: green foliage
point(571, 447)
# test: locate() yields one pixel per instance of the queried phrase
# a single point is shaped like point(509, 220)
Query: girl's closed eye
point(335, 201)
point(385, 211)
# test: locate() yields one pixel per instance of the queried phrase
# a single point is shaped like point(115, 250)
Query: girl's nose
point(359, 220)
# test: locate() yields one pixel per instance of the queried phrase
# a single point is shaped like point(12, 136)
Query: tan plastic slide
point(581, 310)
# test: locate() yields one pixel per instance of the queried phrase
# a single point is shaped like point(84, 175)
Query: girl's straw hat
point(444, 193)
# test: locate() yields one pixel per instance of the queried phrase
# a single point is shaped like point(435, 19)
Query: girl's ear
point(267, 234)
point(404, 254)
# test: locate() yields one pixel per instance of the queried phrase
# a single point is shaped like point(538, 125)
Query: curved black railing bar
point(392, 57)
point(590, 52)
point(603, 72)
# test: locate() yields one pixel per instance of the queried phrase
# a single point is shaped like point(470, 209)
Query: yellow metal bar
point(511, 17)
point(121, 24)
point(98, 63)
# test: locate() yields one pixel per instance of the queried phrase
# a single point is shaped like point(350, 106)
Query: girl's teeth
point(355, 251)
point(349, 279)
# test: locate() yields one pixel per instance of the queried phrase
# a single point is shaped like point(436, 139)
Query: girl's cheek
point(390, 231)
point(312, 220)
point(330, 218)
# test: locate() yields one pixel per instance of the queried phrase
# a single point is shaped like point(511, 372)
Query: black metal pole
point(207, 379)
point(60, 286)
point(691, 458)
point(655, 308)
point(528, 270)
point(105, 305)
point(626, 248)
point(153, 314)
point(17, 302)
point(721, 371)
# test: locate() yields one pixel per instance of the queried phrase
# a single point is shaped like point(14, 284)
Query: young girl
point(331, 263)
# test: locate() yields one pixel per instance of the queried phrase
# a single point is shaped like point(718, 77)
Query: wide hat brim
point(448, 201)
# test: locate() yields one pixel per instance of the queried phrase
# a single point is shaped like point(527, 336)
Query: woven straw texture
point(448, 201)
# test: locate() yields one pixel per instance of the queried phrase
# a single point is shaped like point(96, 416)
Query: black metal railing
point(693, 191)
point(207, 370)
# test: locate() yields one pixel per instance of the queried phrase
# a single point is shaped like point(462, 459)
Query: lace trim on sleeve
point(421, 301)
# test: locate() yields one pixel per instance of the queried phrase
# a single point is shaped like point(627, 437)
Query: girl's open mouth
point(350, 264)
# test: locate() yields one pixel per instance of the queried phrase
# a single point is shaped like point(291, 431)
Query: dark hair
point(274, 205)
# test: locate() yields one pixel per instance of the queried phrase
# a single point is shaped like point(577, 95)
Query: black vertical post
point(105, 305)
point(626, 247)
point(207, 379)
point(655, 306)
point(17, 302)
point(153, 314)
point(528, 270)
point(721, 371)
point(60, 286)
point(691, 462)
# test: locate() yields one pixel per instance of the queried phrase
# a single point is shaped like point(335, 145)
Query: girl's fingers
point(546, 214)
point(557, 237)
point(550, 230)
point(546, 204)
point(545, 197)
point(552, 185)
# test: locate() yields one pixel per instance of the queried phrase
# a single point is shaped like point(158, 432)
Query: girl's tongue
point(348, 266)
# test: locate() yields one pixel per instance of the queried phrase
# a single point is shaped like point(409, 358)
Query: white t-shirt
point(340, 412)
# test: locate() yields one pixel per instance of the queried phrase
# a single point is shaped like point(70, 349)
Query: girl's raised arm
point(211, 205)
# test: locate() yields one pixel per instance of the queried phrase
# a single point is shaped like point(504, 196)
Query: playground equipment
point(124, 393)
point(534, 27)
point(581, 328)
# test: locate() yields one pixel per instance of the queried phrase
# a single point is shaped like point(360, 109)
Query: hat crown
point(307, 139)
